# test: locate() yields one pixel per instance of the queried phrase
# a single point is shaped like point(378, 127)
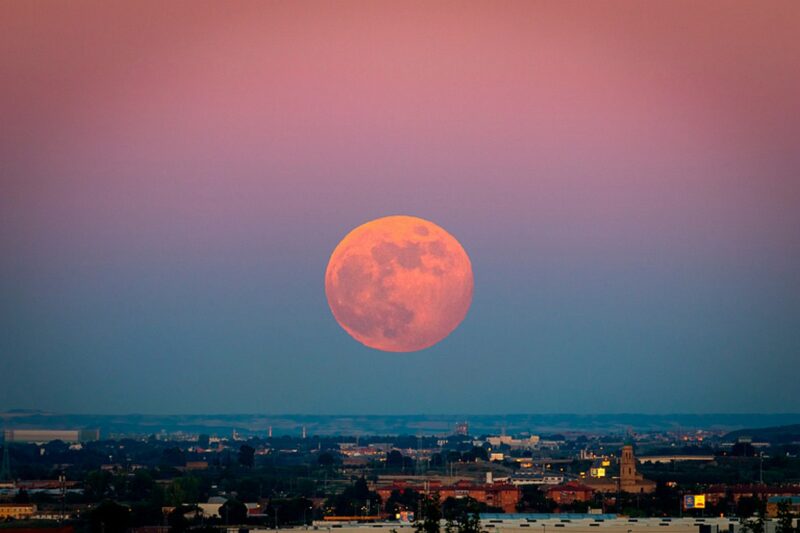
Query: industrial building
point(47, 435)
point(564, 523)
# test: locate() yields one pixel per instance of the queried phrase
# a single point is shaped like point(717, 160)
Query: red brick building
point(502, 495)
point(570, 492)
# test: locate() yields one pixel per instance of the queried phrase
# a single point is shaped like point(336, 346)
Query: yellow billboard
point(598, 472)
point(700, 501)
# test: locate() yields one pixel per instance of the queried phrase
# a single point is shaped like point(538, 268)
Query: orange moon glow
point(399, 283)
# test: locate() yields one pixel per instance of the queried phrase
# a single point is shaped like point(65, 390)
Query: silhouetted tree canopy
point(233, 512)
point(431, 515)
point(109, 517)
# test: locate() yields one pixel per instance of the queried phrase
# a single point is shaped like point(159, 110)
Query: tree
point(291, 511)
point(469, 520)
point(233, 512)
point(140, 485)
point(109, 517)
point(173, 457)
point(479, 452)
point(784, 518)
point(97, 484)
point(361, 489)
point(183, 490)
point(355, 500)
point(462, 515)
point(534, 500)
point(247, 455)
point(755, 525)
point(248, 490)
point(747, 506)
point(56, 448)
point(431, 515)
point(394, 459)
point(177, 518)
point(402, 501)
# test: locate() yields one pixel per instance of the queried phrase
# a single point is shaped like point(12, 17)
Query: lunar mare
point(399, 283)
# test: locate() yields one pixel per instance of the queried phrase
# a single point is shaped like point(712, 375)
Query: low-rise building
point(501, 495)
point(775, 501)
point(529, 443)
point(17, 511)
point(570, 492)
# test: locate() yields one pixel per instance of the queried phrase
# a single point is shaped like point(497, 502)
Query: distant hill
point(775, 434)
point(292, 424)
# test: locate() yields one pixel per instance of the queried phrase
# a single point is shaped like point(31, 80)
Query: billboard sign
point(598, 472)
point(694, 501)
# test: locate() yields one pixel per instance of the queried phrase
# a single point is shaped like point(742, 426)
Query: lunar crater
point(397, 288)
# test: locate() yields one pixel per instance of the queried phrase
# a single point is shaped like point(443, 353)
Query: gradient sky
point(625, 177)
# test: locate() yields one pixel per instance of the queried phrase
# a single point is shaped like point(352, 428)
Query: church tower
point(627, 468)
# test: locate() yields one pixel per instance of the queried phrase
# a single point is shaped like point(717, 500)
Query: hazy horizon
point(406, 414)
point(359, 424)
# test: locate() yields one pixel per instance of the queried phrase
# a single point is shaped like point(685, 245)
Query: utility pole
point(62, 479)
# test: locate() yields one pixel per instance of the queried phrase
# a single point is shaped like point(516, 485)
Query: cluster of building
point(502, 495)
point(716, 493)
point(504, 492)
point(629, 481)
point(355, 455)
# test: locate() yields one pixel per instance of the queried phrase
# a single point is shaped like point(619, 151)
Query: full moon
point(399, 283)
